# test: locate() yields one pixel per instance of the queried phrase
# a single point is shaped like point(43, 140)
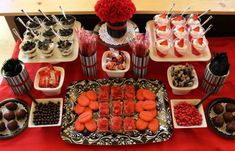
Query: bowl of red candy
point(186, 115)
point(116, 63)
point(49, 80)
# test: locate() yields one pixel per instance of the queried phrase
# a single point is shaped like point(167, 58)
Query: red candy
point(187, 115)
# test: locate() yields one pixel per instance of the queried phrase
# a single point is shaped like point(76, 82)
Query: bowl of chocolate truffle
point(13, 117)
point(46, 113)
point(221, 116)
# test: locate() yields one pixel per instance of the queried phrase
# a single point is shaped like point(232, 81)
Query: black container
point(117, 30)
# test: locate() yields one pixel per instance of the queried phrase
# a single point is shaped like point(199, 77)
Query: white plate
point(170, 56)
point(57, 57)
point(31, 115)
point(191, 101)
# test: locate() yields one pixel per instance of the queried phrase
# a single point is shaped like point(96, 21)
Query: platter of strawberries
point(177, 38)
point(116, 112)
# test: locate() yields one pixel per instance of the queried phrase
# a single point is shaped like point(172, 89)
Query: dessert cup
point(161, 20)
point(177, 20)
point(65, 47)
point(48, 34)
point(193, 20)
point(48, 23)
point(199, 46)
point(29, 48)
point(196, 32)
point(163, 32)
point(46, 47)
point(163, 46)
point(181, 46)
point(180, 32)
point(66, 34)
point(69, 22)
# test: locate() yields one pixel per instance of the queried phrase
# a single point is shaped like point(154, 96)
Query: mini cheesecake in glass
point(68, 22)
point(177, 20)
point(29, 48)
point(181, 46)
point(66, 33)
point(65, 47)
point(161, 20)
point(34, 25)
point(180, 32)
point(48, 34)
point(199, 46)
point(163, 46)
point(46, 47)
point(48, 23)
point(29, 36)
point(196, 32)
point(193, 20)
point(163, 32)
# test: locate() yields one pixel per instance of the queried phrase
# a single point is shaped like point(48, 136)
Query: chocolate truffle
point(20, 114)
point(218, 108)
point(0, 115)
point(12, 125)
point(230, 127)
point(2, 126)
point(230, 107)
point(228, 117)
point(11, 106)
point(10, 115)
point(218, 121)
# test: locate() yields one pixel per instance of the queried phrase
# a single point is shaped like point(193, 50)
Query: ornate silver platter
point(70, 135)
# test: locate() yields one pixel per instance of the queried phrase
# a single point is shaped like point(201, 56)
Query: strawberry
point(181, 29)
point(181, 43)
point(178, 18)
point(162, 28)
point(165, 42)
point(195, 17)
point(200, 41)
point(197, 29)
point(163, 15)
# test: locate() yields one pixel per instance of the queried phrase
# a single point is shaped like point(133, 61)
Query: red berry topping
point(181, 43)
point(162, 28)
point(181, 29)
point(197, 29)
point(187, 115)
point(195, 17)
point(165, 42)
point(163, 15)
point(200, 40)
point(178, 18)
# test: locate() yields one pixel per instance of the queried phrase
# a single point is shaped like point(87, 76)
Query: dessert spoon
point(27, 15)
point(62, 12)
point(16, 33)
point(212, 91)
point(204, 13)
point(208, 19)
point(44, 15)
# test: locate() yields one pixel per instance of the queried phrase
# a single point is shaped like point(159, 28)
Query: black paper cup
point(89, 65)
point(19, 83)
point(211, 81)
point(140, 65)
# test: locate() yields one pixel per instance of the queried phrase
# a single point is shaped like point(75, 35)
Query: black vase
point(117, 30)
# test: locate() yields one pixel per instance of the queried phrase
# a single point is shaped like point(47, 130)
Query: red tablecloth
point(182, 139)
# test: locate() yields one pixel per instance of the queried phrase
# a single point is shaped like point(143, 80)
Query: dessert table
point(182, 139)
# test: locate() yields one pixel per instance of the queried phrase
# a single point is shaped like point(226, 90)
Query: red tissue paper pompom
point(114, 10)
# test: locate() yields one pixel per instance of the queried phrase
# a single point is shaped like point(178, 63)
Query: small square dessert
point(129, 107)
point(104, 93)
point(116, 108)
point(116, 125)
point(116, 92)
point(103, 124)
point(129, 124)
point(129, 91)
point(104, 109)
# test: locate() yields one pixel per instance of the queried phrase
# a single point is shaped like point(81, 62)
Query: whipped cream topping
point(164, 34)
point(183, 49)
point(192, 22)
point(180, 34)
point(178, 22)
point(198, 46)
point(163, 48)
point(161, 21)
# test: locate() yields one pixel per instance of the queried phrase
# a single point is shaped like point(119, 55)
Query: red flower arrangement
point(114, 10)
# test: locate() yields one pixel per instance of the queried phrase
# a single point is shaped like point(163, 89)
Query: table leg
point(11, 24)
